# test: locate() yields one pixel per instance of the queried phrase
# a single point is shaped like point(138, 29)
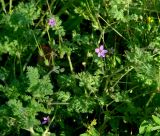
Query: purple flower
point(100, 51)
point(45, 120)
point(51, 22)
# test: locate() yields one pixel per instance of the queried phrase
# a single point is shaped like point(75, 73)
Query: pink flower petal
point(101, 47)
point(104, 51)
point(97, 50)
point(45, 118)
point(99, 54)
point(44, 122)
point(103, 55)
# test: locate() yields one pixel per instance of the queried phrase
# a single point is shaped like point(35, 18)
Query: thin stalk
point(145, 9)
point(3, 6)
point(51, 5)
point(115, 73)
point(27, 61)
point(60, 103)
point(70, 63)
point(132, 99)
point(60, 40)
point(45, 14)
point(104, 66)
point(128, 24)
point(113, 28)
point(20, 65)
point(10, 6)
point(101, 37)
point(47, 129)
point(93, 17)
point(36, 40)
point(150, 99)
point(110, 76)
point(43, 32)
point(39, 49)
point(123, 76)
point(48, 36)
point(48, 7)
point(52, 58)
point(14, 68)
point(41, 19)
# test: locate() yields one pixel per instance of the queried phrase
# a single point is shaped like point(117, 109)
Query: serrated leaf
point(33, 75)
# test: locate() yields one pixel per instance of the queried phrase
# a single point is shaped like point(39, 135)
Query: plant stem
point(60, 103)
point(10, 6)
point(150, 99)
point(32, 131)
point(113, 28)
point(27, 61)
point(3, 6)
point(49, 36)
point(47, 129)
point(20, 65)
point(48, 7)
point(70, 63)
point(123, 76)
point(14, 68)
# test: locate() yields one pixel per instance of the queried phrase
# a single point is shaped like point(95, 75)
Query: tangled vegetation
point(80, 68)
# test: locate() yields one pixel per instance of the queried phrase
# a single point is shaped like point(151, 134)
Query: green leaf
point(33, 75)
point(156, 119)
point(38, 87)
point(143, 126)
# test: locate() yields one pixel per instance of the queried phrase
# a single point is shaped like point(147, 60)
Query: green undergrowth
point(53, 82)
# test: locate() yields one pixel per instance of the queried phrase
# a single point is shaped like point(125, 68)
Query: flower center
point(100, 50)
